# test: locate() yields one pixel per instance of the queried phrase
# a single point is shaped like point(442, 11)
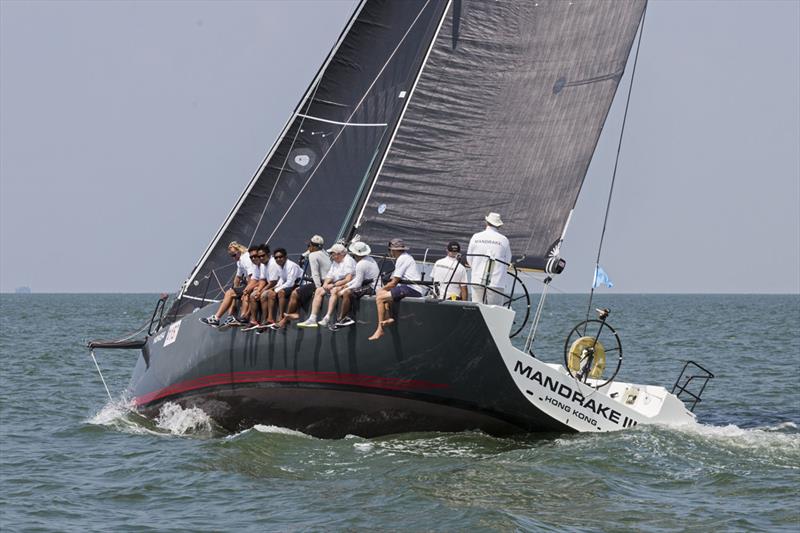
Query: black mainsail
point(332, 144)
point(505, 117)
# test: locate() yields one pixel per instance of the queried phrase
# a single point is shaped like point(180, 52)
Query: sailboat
point(425, 115)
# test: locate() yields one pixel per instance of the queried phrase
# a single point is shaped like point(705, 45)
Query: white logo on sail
point(302, 160)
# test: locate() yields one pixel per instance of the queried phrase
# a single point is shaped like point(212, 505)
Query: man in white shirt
point(241, 280)
point(318, 263)
point(273, 277)
point(260, 257)
point(367, 272)
point(405, 269)
point(486, 249)
point(289, 275)
point(450, 274)
point(343, 268)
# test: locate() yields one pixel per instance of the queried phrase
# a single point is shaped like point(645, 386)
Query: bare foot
point(387, 322)
point(377, 335)
point(292, 316)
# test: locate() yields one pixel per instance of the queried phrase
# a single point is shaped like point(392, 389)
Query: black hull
point(438, 369)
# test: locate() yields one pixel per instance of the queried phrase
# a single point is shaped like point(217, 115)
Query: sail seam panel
point(363, 125)
point(355, 109)
point(403, 112)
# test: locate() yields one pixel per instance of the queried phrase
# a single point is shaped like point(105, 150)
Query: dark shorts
point(238, 291)
point(305, 293)
point(402, 291)
point(288, 290)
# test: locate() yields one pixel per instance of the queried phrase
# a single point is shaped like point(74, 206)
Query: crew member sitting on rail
point(486, 249)
point(241, 278)
point(273, 276)
point(367, 272)
point(290, 276)
point(342, 271)
point(405, 269)
point(317, 265)
point(259, 256)
point(450, 275)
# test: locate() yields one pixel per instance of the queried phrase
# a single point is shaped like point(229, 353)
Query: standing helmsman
point(486, 249)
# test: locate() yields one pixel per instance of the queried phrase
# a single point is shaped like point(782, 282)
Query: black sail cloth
point(505, 117)
point(310, 182)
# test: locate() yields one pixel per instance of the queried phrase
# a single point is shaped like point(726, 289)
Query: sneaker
point(307, 324)
point(230, 321)
point(346, 321)
point(324, 322)
point(210, 321)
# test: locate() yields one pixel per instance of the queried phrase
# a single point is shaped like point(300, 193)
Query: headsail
point(505, 117)
point(331, 146)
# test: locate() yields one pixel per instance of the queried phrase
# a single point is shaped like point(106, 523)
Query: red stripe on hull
point(260, 376)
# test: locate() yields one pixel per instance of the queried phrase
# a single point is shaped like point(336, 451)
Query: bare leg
point(254, 297)
point(316, 305)
point(345, 308)
point(291, 314)
point(281, 304)
point(332, 302)
point(270, 306)
point(264, 305)
point(227, 302)
point(383, 300)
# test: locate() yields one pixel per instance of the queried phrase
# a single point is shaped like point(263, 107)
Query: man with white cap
point(367, 272)
point(486, 249)
point(405, 269)
point(342, 270)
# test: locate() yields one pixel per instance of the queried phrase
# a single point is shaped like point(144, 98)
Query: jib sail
point(332, 145)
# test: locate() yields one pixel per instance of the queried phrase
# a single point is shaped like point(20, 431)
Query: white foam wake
point(280, 431)
point(782, 436)
point(179, 421)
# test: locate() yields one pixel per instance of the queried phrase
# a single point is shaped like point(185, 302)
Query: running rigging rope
point(616, 161)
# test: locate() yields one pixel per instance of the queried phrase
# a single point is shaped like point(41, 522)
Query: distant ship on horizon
point(22, 290)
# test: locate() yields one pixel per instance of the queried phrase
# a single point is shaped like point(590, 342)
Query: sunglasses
point(253, 257)
point(279, 257)
point(262, 256)
point(235, 256)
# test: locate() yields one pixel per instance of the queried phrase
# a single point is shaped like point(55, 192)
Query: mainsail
point(333, 143)
point(505, 117)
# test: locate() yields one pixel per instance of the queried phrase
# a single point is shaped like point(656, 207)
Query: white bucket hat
point(494, 219)
point(360, 249)
point(337, 248)
point(317, 239)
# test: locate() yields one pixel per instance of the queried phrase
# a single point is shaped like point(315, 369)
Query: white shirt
point(441, 272)
point(494, 244)
point(290, 273)
point(405, 268)
point(319, 263)
point(260, 272)
point(273, 270)
point(340, 270)
point(366, 269)
point(244, 266)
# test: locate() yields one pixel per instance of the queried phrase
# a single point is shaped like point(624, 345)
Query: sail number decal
point(172, 333)
point(570, 400)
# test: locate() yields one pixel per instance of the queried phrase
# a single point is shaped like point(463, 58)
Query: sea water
point(73, 460)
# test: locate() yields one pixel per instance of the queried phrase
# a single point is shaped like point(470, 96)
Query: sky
point(128, 130)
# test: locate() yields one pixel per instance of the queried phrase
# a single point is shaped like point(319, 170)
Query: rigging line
point(361, 124)
point(285, 159)
point(616, 160)
point(355, 109)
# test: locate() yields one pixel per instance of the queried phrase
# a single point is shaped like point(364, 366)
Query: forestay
point(332, 145)
point(505, 117)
